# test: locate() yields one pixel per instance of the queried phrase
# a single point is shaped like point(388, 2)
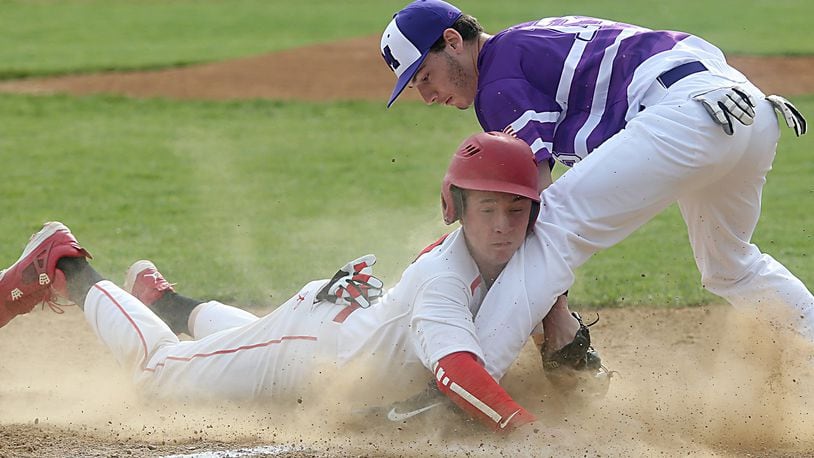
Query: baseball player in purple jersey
point(645, 118)
point(438, 318)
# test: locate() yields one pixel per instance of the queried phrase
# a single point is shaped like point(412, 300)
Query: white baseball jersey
point(439, 307)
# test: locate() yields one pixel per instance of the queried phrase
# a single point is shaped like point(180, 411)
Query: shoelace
point(52, 301)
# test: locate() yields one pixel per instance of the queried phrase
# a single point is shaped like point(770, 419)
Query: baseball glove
point(577, 366)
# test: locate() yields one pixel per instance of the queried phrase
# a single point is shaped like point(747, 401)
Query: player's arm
point(559, 327)
point(445, 336)
point(464, 380)
point(545, 180)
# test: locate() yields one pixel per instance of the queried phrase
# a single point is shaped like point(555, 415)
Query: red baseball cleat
point(145, 282)
point(31, 279)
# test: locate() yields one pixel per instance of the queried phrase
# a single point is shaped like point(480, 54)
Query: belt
point(674, 75)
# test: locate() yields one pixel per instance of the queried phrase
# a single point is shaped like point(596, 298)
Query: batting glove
point(726, 103)
point(354, 284)
point(794, 119)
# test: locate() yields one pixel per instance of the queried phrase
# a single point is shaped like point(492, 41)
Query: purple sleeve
point(515, 107)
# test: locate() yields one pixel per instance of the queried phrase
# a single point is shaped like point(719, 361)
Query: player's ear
point(453, 39)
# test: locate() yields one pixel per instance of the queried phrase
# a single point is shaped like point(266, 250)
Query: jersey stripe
point(624, 67)
point(132, 322)
point(582, 91)
point(531, 115)
point(345, 313)
point(475, 283)
point(477, 403)
point(600, 95)
point(229, 350)
point(567, 76)
point(432, 245)
point(539, 144)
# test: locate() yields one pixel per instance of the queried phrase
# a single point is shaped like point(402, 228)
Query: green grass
point(71, 36)
point(234, 200)
point(242, 201)
point(743, 27)
point(246, 201)
point(46, 37)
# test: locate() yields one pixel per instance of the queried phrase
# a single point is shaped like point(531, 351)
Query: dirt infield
point(344, 70)
point(697, 381)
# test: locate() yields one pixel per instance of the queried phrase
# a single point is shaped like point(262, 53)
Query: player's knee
point(725, 278)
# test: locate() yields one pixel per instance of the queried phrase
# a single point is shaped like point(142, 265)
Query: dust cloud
point(705, 381)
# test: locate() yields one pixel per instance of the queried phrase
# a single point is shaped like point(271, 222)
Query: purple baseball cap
point(408, 38)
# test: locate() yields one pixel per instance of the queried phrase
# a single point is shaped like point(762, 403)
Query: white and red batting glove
point(354, 284)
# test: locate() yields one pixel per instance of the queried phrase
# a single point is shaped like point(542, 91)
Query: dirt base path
point(343, 70)
point(700, 381)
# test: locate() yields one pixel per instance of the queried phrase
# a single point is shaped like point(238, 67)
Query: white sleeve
point(442, 322)
point(519, 299)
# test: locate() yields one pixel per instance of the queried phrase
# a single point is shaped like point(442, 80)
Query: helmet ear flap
point(448, 207)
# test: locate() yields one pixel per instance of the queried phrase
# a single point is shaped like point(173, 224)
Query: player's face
point(494, 225)
point(445, 78)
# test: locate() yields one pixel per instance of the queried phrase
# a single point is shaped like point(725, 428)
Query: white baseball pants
point(236, 356)
point(673, 152)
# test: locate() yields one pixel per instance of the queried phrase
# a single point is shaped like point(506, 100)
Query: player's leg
point(273, 356)
point(596, 204)
point(276, 356)
point(54, 266)
point(213, 316)
point(34, 277)
point(620, 186)
point(721, 219)
point(184, 315)
point(670, 148)
point(128, 328)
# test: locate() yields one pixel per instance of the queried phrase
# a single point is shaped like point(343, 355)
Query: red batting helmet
point(491, 161)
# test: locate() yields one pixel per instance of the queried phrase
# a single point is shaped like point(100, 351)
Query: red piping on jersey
point(130, 319)
point(475, 284)
point(345, 312)
point(228, 351)
point(431, 246)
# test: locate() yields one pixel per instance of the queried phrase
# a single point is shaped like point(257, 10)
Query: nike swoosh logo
point(399, 416)
point(508, 419)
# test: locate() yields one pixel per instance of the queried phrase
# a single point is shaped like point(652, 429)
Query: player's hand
point(794, 119)
point(726, 103)
point(354, 284)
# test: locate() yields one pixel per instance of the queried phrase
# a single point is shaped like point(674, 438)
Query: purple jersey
point(565, 85)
